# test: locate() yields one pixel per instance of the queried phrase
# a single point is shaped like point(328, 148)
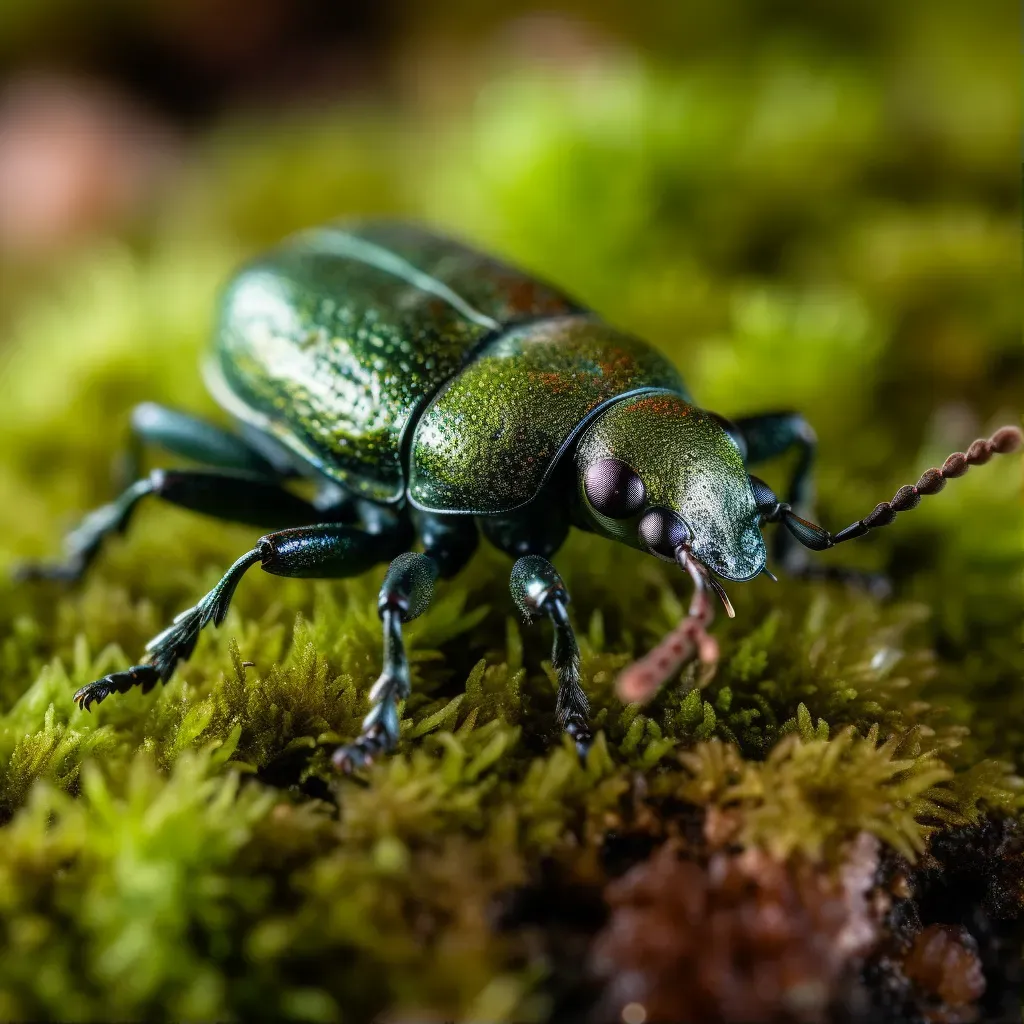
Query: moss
point(188, 852)
point(812, 793)
point(132, 869)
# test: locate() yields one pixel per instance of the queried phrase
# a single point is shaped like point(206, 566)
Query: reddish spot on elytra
point(524, 295)
point(664, 405)
point(552, 381)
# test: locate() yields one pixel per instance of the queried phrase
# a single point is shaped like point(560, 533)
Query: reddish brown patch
point(523, 296)
point(943, 962)
point(664, 405)
point(744, 938)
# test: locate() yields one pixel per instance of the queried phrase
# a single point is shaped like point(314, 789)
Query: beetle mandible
point(433, 393)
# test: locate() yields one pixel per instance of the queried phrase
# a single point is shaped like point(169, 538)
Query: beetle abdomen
point(335, 340)
point(492, 436)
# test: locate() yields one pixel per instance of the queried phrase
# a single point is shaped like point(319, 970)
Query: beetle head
point(661, 475)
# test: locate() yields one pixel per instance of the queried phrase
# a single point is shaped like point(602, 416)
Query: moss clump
point(137, 873)
point(189, 852)
point(811, 792)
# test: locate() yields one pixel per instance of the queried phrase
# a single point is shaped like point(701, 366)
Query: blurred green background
point(809, 206)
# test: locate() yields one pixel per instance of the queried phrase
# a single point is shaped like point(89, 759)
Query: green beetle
point(433, 393)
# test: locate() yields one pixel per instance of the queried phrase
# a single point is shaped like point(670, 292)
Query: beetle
point(434, 393)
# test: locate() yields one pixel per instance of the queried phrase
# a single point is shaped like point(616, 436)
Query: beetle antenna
point(640, 681)
point(767, 572)
point(1003, 441)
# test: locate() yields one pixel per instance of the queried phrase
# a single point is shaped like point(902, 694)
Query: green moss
point(128, 871)
point(188, 852)
point(812, 793)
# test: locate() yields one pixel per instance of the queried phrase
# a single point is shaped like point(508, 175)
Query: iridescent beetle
point(433, 392)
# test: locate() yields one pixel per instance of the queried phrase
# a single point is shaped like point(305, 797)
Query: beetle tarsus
point(174, 644)
point(572, 709)
point(380, 728)
point(362, 752)
point(70, 571)
point(83, 543)
point(93, 693)
point(145, 676)
point(578, 730)
point(178, 641)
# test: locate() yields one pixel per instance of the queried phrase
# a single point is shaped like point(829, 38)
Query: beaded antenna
point(642, 680)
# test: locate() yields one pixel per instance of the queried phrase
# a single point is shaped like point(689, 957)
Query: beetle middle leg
point(449, 543)
point(772, 434)
point(322, 551)
point(192, 438)
point(405, 594)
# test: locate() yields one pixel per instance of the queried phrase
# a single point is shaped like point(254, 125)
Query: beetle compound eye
point(613, 489)
point(734, 433)
point(663, 531)
point(764, 496)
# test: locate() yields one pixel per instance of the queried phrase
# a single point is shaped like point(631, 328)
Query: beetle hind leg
point(237, 496)
point(538, 590)
point(82, 544)
point(238, 481)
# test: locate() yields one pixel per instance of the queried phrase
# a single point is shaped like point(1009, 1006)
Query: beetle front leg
point(537, 590)
point(324, 551)
point(773, 434)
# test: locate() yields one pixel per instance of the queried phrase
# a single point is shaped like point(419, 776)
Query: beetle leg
point(537, 590)
point(449, 543)
point(83, 542)
point(773, 434)
point(323, 551)
point(448, 540)
point(196, 440)
point(174, 644)
point(405, 594)
point(236, 496)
